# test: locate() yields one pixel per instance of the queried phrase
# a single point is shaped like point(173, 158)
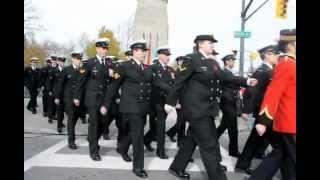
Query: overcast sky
point(66, 20)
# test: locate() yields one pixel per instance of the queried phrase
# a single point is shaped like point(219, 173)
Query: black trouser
point(52, 107)
point(161, 116)
point(32, 104)
point(179, 127)
point(82, 111)
point(254, 144)
point(201, 133)
point(151, 134)
point(73, 113)
point(135, 136)
point(60, 114)
point(95, 128)
point(229, 121)
point(113, 114)
point(282, 157)
point(45, 97)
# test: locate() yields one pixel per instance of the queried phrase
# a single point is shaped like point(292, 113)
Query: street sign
point(242, 34)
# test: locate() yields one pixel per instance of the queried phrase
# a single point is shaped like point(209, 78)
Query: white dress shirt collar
point(204, 54)
point(268, 64)
point(138, 62)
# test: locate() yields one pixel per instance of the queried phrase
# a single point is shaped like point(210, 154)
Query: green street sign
point(242, 34)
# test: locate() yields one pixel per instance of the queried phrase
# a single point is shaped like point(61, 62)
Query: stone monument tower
point(151, 24)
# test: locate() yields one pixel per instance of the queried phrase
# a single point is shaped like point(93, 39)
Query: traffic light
point(281, 8)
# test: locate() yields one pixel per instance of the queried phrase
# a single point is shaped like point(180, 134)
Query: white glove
point(103, 110)
point(245, 116)
point(76, 102)
point(50, 93)
point(118, 101)
point(56, 101)
point(178, 106)
point(261, 129)
point(252, 82)
point(168, 108)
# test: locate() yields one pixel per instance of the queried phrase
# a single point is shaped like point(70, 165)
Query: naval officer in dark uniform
point(135, 80)
point(201, 76)
point(95, 79)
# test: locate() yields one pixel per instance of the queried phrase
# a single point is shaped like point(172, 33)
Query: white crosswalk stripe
point(50, 158)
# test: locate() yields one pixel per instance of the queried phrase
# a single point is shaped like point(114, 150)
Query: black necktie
point(165, 67)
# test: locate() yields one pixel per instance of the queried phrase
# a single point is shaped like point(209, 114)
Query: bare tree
point(30, 20)
point(83, 41)
point(125, 33)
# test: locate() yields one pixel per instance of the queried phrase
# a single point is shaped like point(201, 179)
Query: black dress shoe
point(50, 121)
point(45, 114)
point(95, 157)
point(29, 108)
point(247, 171)
point(73, 146)
point(179, 174)
point(106, 136)
point(149, 147)
point(162, 155)
point(63, 126)
point(34, 111)
point(223, 167)
point(124, 156)
point(140, 173)
point(172, 138)
point(191, 160)
point(59, 129)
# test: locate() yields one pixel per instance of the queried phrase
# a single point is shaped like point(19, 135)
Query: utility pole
point(244, 19)
point(243, 23)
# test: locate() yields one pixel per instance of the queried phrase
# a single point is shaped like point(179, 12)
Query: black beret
point(182, 58)
point(205, 37)
point(128, 53)
point(228, 57)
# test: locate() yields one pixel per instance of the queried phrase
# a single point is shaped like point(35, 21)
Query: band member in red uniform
point(278, 110)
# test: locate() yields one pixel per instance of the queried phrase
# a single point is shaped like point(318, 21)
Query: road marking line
point(49, 158)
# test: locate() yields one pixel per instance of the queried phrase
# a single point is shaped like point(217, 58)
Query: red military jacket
point(279, 103)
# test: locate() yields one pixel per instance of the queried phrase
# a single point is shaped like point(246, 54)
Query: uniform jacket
point(230, 91)
point(32, 78)
point(167, 76)
point(66, 87)
point(51, 78)
point(279, 103)
point(199, 82)
point(44, 75)
point(253, 96)
point(135, 86)
point(95, 78)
